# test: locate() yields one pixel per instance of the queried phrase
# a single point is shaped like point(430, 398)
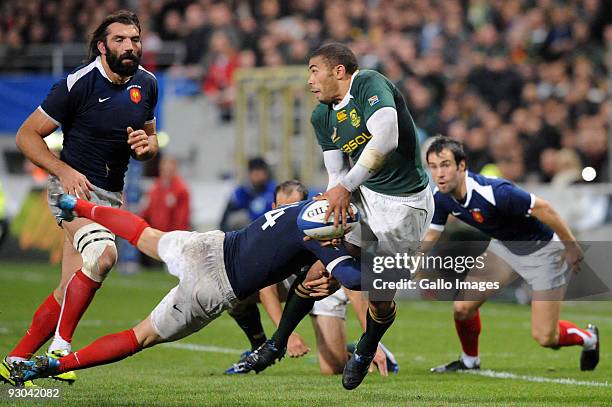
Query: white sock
point(12, 359)
point(60, 344)
point(589, 342)
point(470, 361)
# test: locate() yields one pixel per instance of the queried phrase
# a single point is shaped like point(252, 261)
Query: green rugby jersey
point(343, 127)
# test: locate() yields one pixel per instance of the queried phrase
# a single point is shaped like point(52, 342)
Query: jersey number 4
point(274, 214)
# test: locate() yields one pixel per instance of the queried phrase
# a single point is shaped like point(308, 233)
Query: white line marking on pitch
point(538, 379)
point(218, 349)
point(203, 348)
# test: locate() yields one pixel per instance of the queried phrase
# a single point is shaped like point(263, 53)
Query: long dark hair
point(122, 16)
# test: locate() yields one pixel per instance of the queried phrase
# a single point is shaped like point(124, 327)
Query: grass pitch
point(190, 372)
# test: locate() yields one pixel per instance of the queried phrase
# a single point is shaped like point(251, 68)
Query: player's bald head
point(289, 192)
point(335, 54)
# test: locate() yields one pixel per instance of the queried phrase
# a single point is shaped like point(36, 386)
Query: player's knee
point(463, 311)
point(96, 244)
point(107, 260)
point(545, 338)
point(331, 359)
point(382, 307)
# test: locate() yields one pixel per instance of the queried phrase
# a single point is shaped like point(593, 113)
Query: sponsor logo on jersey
point(341, 116)
point(135, 95)
point(477, 215)
point(373, 100)
point(335, 137)
point(351, 145)
point(355, 119)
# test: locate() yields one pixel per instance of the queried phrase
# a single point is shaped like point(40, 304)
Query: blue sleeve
point(440, 215)
point(151, 112)
point(512, 200)
point(338, 262)
point(348, 274)
point(57, 103)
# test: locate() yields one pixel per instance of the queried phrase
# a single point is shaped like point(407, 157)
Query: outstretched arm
point(347, 272)
point(543, 211)
point(30, 141)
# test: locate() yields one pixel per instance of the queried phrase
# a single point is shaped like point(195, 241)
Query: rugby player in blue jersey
point(527, 234)
point(106, 111)
point(328, 314)
point(215, 270)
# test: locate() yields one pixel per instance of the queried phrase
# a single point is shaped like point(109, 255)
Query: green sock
point(298, 305)
point(376, 326)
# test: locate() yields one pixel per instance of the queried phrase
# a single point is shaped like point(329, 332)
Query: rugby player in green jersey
point(362, 119)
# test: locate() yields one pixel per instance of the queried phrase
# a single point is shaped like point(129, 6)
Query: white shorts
point(204, 290)
point(399, 223)
point(543, 269)
point(332, 306)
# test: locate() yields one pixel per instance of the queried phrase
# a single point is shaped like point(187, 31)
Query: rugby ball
point(310, 221)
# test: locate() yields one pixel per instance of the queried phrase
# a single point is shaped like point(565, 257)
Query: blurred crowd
point(522, 82)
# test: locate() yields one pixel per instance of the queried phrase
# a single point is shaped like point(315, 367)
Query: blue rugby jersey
point(94, 114)
point(272, 248)
point(499, 209)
